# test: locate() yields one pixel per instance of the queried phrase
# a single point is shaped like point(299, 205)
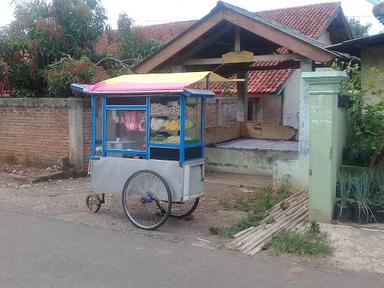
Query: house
point(370, 50)
point(273, 94)
point(269, 50)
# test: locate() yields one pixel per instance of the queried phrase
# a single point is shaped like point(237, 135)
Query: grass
point(227, 232)
point(256, 207)
point(310, 242)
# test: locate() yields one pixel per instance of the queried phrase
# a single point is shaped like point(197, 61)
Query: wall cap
point(38, 102)
point(324, 77)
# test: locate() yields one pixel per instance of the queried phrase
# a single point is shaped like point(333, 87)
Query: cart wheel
point(93, 202)
point(140, 194)
point(179, 210)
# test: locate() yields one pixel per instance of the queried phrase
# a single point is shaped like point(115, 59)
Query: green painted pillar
point(325, 133)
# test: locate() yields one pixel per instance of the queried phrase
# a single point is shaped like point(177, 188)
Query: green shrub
point(256, 207)
point(309, 242)
point(62, 73)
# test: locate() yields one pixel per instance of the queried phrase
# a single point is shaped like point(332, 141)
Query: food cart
point(148, 143)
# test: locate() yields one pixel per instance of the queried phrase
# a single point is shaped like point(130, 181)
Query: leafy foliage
point(44, 32)
point(227, 232)
point(4, 81)
point(358, 29)
point(133, 45)
point(365, 118)
point(68, 70)
point(378, 196)
point(256, 207)
point(49, 35)
point(310, 242)
point(83, 27)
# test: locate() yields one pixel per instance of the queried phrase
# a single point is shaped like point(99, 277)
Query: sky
point(146, 12)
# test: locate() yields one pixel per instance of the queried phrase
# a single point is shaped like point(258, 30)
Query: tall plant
point(365, 118)
point(363, 187)
point(345, 186)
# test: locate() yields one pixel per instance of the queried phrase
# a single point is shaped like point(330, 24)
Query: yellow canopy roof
point(155, 82)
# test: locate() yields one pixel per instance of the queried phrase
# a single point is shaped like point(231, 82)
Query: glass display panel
point(126, 130)
point(193, 120)
point(165, 120)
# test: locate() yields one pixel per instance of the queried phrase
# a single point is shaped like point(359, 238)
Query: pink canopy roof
point(140, 83)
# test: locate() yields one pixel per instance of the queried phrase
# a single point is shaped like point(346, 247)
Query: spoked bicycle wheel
point(179, 210)
point(140, 194)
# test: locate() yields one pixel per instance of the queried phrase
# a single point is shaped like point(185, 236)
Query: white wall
point(291, 101)
point(325, 38)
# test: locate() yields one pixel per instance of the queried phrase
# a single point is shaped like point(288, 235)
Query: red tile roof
point(163, 32)
point(310, 20)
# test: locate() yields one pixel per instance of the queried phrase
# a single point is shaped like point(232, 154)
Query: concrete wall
point(372, 57)
point(296, 169)
point(41, 131)
point(325, 38)
point(218, 134)
point(291, 100)
point(244, 161)
point(327, 131)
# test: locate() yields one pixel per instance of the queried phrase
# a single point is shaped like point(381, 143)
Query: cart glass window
point(193, 120)
point(165, 120)
point(125, 130)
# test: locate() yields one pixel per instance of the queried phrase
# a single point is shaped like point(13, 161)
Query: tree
point(133, 45)
point(66, 71)
point(82, 21)
point(126, 47)
point(42, 33)
point(358, 29)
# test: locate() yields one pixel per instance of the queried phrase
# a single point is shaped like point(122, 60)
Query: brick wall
point(229, 110)
point(43, 131)
point(34, 131)
point(211, 113)
point(220, 111)
point(87, 129)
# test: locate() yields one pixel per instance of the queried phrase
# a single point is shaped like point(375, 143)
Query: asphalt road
point(40, 252)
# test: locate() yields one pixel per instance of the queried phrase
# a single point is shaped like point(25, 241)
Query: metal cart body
point(185, 182)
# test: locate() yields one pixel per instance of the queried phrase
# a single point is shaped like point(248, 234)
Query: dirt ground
point(65, 200)
point(359, 248)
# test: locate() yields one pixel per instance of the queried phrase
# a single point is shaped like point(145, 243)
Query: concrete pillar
point(75, 127)
point(242, 101)
point(325, 145)
point(305, 66)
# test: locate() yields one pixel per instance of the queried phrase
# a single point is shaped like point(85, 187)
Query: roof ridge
point(256, 12)
point(338, 3)
point(267, 21)
point(167, 23)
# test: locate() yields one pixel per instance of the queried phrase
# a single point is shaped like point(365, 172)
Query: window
point(165, 120)
point(126, 130)
point(193, 120)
